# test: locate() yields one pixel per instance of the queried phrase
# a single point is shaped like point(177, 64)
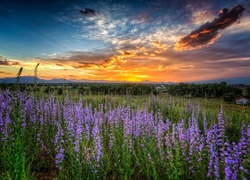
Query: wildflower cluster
point(121, 141)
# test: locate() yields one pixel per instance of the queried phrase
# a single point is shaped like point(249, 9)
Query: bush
point(229, 97)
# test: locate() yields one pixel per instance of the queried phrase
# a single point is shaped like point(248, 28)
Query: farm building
point(242, 100)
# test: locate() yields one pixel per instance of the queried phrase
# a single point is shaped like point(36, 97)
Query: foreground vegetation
point(121, 137)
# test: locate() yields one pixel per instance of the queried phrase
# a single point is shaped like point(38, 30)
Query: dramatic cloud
point(130, 41)
point(210, 32)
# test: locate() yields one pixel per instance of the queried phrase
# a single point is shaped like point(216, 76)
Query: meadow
point(122, 137)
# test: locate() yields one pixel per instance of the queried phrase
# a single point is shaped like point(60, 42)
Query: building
point(242, 100)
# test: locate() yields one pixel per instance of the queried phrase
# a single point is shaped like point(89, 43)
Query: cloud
point(15, 63)
point(2, 72)
point(90, 12)
point(210, 31)
point(127, 53)
point(159, 45)
point(6, 62)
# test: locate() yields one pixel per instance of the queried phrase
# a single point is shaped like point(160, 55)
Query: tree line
point(117, 89)
point(213, 90)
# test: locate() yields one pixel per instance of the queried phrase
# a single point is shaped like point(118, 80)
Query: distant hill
point(30, 80)
point(235, 80)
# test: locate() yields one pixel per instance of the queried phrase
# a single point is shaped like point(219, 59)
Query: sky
point(137, 41)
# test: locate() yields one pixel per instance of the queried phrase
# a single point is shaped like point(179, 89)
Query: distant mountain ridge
point(30, 80)
point(234, 80)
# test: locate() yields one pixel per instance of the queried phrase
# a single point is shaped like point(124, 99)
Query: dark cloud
point(88, 56)
point(6, 62)
point(126, 53)
point(15, 63)
point(90, 12)
point(224, 64)
point(87, 59)
point(6, 73)
point(210, 32)
point(79, 57)
point(86, 65)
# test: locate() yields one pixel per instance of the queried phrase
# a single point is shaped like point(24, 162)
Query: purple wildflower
point(138, 118)
point(59, 158)
point(98, 148)
point(159, 135)
point(243, 144)
point(214, 159)
point(236, 163)
point(205, 125)
point(248, 132)
point(221, 134)
point(111, 139)
point(1, 119)
point(173, 136)
point(228, 171)
point(182, 137)
point(97, 141)
point(167, 144)
point(228, 161)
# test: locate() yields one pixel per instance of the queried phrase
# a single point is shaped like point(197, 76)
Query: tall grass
point(35, 76)
point(113, 137)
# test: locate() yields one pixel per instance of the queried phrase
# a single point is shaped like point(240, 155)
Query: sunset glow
point(158, 41)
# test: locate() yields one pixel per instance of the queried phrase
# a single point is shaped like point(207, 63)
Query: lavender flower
point(97, 141)
point(228, 161)
point(248, 132)
point(1, 119)
point(236, 163)
point(205, 125)
point(243, 144)
point(228, 171)
point(182, 138)
point(221, 134)
point(59, 158)
point(111, 139)
point(98, 147)
point(213, 165)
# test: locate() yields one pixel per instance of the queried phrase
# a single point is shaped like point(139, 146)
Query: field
point(48, 136)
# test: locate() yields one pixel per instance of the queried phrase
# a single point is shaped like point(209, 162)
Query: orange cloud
point(209, 32)
point(127, 53)
point(160, 45)
point(113, 62)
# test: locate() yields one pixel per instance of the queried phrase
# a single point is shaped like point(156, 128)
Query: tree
point(248, 92)
point(229, 97)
